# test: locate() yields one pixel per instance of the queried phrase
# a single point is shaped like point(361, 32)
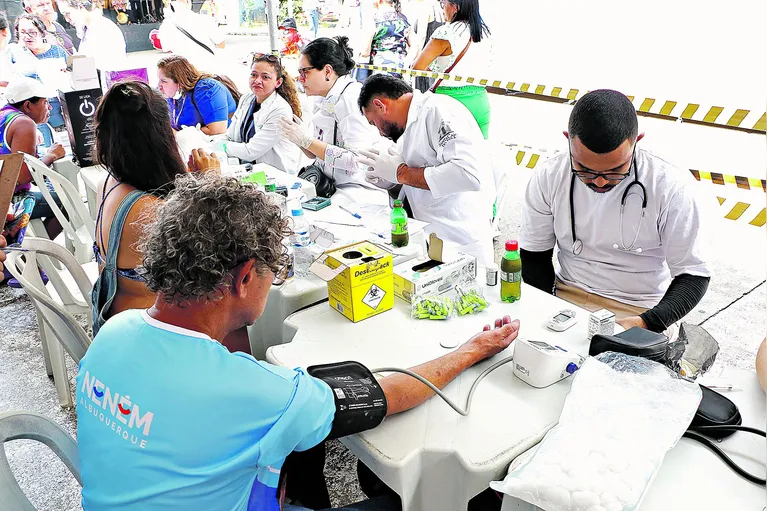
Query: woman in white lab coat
point(338, 127)
point(253, 135)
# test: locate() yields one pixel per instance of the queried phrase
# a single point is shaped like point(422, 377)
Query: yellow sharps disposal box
point(360, 279)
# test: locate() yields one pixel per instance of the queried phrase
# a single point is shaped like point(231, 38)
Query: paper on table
point(376, 218)
point(334, 215)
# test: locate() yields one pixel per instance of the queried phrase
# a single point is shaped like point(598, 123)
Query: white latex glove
point(380, 183)
point(295, 131)
point(381, 164)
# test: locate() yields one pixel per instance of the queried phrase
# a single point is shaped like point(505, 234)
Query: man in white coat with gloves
point(440, 158)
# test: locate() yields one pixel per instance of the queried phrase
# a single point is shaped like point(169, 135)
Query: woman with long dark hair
point(137, 146)
point(253, 135)
point(465, 33)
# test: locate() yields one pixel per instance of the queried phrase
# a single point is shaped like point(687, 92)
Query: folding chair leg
point(60, 376)
point(44, 343)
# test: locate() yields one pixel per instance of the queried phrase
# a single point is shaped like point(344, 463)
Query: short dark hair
point(20, 104)
point(335, 52)
point(603, 119)
point(384, 85)
point(3, 20)
point(135, 140)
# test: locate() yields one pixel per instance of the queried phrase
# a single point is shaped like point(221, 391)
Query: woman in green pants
point(465, 31)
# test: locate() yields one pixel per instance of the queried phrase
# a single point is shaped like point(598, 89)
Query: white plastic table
point(95, 175)
point(432, 457)
point(692, 477)
point(294, 295)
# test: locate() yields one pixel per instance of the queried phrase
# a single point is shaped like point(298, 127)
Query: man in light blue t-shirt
point(168, 419)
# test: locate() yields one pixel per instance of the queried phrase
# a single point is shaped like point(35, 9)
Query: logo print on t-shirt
point(130, 424)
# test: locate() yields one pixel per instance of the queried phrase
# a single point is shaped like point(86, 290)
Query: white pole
point(273, 22)
point(290, 8)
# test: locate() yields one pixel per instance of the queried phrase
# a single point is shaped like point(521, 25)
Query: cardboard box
point(10, 168)
point(112, 77)
point(433, 275)
point(359, 277)
point(79, 108)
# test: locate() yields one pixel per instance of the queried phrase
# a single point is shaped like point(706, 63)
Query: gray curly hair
point(208, 225)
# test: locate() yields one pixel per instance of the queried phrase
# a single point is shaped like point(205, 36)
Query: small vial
point(491, 274)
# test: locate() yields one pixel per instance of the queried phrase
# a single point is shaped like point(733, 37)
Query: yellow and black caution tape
point(709, 115)
point(739, 209)
point(529, 157)
point(744, 183)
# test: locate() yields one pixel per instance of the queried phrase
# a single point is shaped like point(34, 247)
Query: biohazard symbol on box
point(373, 297)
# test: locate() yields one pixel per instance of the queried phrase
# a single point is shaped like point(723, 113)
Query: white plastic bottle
point(301, 243)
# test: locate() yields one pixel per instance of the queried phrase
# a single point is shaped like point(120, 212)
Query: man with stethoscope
point(628, 225)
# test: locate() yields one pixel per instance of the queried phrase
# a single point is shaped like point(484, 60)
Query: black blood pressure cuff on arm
point(360, 400)
point(682, 295)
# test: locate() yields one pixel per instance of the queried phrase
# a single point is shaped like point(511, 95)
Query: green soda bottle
point(398, 216)
point(511, 273)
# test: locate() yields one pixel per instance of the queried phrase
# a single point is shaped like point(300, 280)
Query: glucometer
point(561, 321)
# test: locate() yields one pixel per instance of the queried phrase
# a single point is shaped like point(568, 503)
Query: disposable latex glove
point(295, 131)
point(380, 183)
point(381, 164)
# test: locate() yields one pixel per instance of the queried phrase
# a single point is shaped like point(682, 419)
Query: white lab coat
point(672, 237)
point(266, 145)
point(104, 42)
point(337, 116)
point(203, 28)
point(443, 137)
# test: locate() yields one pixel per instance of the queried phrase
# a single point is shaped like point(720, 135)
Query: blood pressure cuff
point(635, 341)
point(360, 400)
point(715, 410)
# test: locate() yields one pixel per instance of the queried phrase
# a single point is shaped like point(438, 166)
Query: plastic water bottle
point(301, 242)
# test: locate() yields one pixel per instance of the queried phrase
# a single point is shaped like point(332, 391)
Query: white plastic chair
point(79, 228)
point(59, 330)
point(22, 425)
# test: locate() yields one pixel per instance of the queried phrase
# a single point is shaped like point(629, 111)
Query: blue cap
point(571, 368)
point(297, 212)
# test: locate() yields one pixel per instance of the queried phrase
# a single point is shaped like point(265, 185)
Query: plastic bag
point(693, 353)
point(621, 417)
point(432, 307)
point(469, 300)
point(469, 296)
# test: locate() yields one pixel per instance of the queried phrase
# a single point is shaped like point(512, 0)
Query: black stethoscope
point(578, 244)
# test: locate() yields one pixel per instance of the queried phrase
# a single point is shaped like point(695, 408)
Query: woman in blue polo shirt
point(196, 98)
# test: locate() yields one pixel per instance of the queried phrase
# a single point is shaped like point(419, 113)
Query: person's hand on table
point(492, 341)
point(295, 131)
point(201, 161)
point(382, 165)
point(632, 321)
